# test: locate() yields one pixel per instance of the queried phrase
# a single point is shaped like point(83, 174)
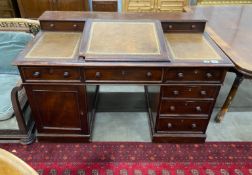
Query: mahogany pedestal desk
point(180, 67)
point(231, 29)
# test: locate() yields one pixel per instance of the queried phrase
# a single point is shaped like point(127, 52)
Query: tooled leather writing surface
point(188, 46)
point(55, 45)
point(123, 38)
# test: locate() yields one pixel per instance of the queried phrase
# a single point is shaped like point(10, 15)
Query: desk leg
point(238, 80)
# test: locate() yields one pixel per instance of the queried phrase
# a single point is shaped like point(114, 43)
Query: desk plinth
point(181, 80)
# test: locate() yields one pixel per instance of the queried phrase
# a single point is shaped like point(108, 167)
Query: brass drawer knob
point(193, 26)
point(209, 75)
point(175, 92)
point(66, 74)
point(98, 74)
point(180, 75)
point(172, 108)
point(170, 26)
point(81, 113)
point(52, 25)
point(203, 93)
point(123, 72)
point(198, 109)
point(36, 74)
point(149, 74)
point(75, 26)
point(194, 126)
point(169, 125)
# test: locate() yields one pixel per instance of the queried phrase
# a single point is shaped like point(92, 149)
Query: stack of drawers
point(6, 9)
point(186, 102)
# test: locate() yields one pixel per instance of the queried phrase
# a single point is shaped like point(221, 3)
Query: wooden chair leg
point(28, 132)
point(238, 80)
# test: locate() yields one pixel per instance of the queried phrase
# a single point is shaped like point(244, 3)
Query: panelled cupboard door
point(71, 5)
point(34, 8)
point(59, 109)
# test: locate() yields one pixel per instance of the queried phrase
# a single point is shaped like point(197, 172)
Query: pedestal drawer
point(31, 74)
point(171, 124)
point(124, 74)
point(185, 107)
point(189, 91)
point(194, 75)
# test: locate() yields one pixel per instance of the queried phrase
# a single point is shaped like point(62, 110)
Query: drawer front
point(185, 107)
point(194, 75)
point(51, 74)
point(105, 6)
point(6, 14)
point(171, 124)
point(62, 26)
point(183, 27)
point(5, 4)
point(186, 91)
point(124, 74)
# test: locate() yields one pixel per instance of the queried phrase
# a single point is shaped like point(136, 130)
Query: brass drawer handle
point(198, 109)
point(169, 125)
point(175, 92)
point(75, 26)
point(193, 26)
point(180, 75)
point(98, 74)
point(194, 126)
point(66, 74)
point(172, 108)
point(36, 74)
point(52, 25)
point(209, 75)
point(203, 93)
point(149, 74)
point(123, 72)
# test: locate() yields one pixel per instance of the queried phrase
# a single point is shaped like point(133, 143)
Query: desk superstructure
point(180, 66)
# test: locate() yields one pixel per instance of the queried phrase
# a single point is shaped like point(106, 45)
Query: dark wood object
point(105, 5)
point(8, 9)
point(180, 93)
point(240, 52)
point(34, 8)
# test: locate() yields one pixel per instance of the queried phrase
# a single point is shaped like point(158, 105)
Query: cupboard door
point(34, 8)
point(71, 5)
point(59, 109)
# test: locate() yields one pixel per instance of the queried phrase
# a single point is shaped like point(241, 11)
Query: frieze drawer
point(183, 27)
point(185, 107)
point(189, 91)
point(170, 124)
point(124, 74)
point(31, 74)
point(62, 26)
point(195, 75)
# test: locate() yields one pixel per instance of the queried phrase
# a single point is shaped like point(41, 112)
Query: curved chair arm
point(18, 109)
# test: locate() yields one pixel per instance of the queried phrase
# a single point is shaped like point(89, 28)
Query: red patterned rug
point(220, 158)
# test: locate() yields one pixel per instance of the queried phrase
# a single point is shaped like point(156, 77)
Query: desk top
point(182, 36)
point(231, 28)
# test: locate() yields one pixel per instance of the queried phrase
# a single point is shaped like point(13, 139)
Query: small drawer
point(194, 75)
point(5, 4)
point(51, 74)
point(62, 26)
point(183, 26)
point(172, 124)
point(185, 107)
point(124, 74)
point(105, 6)
point(186, 91)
